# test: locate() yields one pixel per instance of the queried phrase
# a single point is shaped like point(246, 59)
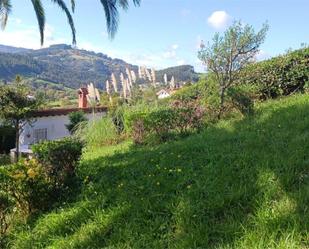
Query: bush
point(179, 118)
point(6, 210)
point(188, 116)
point(5, 159)
point(27, 185)
point(241, 99)
point(282, 75)
point(59, 159)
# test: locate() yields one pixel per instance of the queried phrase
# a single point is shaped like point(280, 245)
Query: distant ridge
point(72, 67)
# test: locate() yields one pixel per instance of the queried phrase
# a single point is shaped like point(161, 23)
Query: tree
point(17, 107)
point(75, 119)
point(230, 53)
point(111, 9)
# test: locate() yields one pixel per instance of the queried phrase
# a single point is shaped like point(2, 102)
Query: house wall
point(55, 126)
point(163, 95)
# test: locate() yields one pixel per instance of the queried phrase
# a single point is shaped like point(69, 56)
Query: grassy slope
point(241, 184)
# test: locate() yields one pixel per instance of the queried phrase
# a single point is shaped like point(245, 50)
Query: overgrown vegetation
point(178, 117)
point(280, 76)
point(234, 185)
point(30, 187)
point(241, 182)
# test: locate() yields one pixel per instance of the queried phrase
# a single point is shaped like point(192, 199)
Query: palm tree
point(110, 8)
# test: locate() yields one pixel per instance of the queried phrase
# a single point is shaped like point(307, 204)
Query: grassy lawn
point(239, 184)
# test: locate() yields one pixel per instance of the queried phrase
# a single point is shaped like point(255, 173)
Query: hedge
point(281, 75)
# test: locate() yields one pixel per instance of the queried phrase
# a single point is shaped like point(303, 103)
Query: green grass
point(240, 184)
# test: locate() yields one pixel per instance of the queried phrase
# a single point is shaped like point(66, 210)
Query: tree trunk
point(222, 96)
point(17, 140)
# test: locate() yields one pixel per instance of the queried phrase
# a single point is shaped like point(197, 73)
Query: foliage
point(110, 9)
point(239, 184)
point(75, 119)
point(98, 132)
point(59, 158)
point(230, 53)
point(281, 75)
point(26, 183)
point(179, 117)
point(188, 116)
point(4, 159)
point(33, 186)
point(241, 99)
point(116, 114)
point(6, 210)
point(16, 107)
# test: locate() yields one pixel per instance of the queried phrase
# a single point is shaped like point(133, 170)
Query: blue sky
point(162, 33)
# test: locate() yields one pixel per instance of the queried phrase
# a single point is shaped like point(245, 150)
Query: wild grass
point(240, 184)
point(97, 133)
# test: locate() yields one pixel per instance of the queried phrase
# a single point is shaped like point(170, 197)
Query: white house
point(162, 94)
point(50, 124)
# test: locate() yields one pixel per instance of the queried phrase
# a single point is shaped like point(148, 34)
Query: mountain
point(184, 73)
point(9, 49)
point(72, 67)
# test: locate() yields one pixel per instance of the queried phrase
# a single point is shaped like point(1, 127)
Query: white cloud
point(28, 36)
point(219, 19)
point(175, 46)
point(169, 54)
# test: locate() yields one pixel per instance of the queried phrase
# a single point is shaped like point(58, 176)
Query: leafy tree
point(17, 107)
point(230, 53)
point(75, 119)
point(110, 8)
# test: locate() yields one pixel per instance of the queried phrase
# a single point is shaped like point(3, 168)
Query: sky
point(161, 33)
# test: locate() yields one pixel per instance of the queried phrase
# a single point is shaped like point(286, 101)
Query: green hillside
point(239, 184)
point(72, 67)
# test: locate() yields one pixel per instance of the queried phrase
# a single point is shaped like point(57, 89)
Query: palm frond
point(64, 7)
point(124, 4)
point(5, 10)
point(112, 16)
point(137, 2)
point(73, 5)
point(40, 15)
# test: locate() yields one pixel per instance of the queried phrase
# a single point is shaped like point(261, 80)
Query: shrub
point(59, 159)
point(188, 116)
point(179, 118)
point(282, 75)
point(138, 131)
point(161, 122)
point(27, 185)
point(6, 210)
point(241, 99)
point(4, 159)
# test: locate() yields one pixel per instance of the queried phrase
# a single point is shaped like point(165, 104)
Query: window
point(40, 135)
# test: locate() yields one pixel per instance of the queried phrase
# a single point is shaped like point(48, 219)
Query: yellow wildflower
point(31, 173)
